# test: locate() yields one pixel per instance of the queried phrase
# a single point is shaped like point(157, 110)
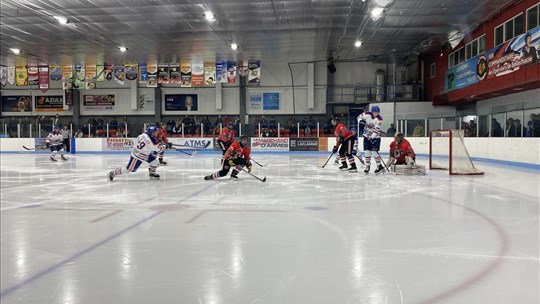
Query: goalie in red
point(237, 156)
point(402, 158)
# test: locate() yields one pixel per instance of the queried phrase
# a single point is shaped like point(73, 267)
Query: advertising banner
point(185, 73)
point(98, 102)
point(16, 103)
point(254, 74)
point(163, 73)
point(197, 73)
point(143, 71)
point(3, 75)
point(49, 103)
point(231, 72)
point(152, 75)
point(270, 101)
point(519, 52)
point(55, 72)
point(209, 73)
point(255, 102)
point(132, 72)
point(67, 77)
point(304, 144)
point(11, 75)
point(174, 73)
point(119, 73)
point(118, 144)
point(192, 143)
point(181, 102)
point(269, 144)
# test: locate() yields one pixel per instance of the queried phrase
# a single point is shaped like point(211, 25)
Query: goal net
point(447, 151)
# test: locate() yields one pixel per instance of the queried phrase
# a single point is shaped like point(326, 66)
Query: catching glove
point(373, 135)
point(231, 163)
point(249, 167)
point(334, 150)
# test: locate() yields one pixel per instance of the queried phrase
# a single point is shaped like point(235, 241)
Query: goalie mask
point(244, 141)
point(399, 137)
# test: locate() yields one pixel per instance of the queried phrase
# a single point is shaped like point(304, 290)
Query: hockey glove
point(249, 167)
point(48, 144)
point(169, 146)
point(373, 135)
point(231, 163)
point(334, 150)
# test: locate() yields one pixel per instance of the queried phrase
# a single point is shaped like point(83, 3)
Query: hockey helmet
point(353, 129)
point(56, 127)
point(244, 140)
point(151, 130)
point(399, 137)
point(375, 109)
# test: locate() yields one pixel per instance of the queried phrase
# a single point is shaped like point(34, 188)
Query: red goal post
point(447, 151)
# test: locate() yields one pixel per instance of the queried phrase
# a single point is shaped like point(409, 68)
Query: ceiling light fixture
point(15, 51)
point(358, 43)
point(122, 48)
point(376, 12)
point(61, 20)
point(234, 46)
point(208, 15)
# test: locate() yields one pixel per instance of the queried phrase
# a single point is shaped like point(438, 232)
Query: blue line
point(89, 249)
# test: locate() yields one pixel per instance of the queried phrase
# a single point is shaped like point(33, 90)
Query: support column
point(158, 104)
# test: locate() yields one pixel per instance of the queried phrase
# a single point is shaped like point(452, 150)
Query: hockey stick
point(328, 159)
point(257, 163)
point(360, 159)
point(190, 154)
point(262, 180)
point(29, 149)
point(384, 164)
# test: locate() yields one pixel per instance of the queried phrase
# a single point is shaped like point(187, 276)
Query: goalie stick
point(262, 180)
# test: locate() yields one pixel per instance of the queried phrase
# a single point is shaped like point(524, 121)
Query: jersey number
point(141, 145)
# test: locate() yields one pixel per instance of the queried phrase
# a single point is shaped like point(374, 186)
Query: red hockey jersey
point(399, 151)
point(341, 133)
point(235, 150)
point(162, 136)
point(226, 135)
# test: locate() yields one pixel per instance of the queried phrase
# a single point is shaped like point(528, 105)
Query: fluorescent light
point(234, 46)
point(122, 48)
point(377, 12)
point(209, 16)
point(15, 51)
point(61, 20)
point(358, 43)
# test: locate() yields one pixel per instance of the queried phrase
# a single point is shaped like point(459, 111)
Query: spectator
point(536, 126)
point(206, 124)
point(510, 128)
point(226, 120)
point(304, 123)
point(187, 124)
point(530, 125)
point(125, 122)
point(177, 130)
point(170, 125)
point(292, 125)
point(391, 131)
point(92, 123)
point(56, 120)
point(12, 127)
point(312, 123)
point(307, 131)
point(516, 129)
point(273, 123)
point(217, 125)
point(79, 134)
point(264, 122)
point(496, 129)
point(418, 130)
point(25, 127)
point(114, 123)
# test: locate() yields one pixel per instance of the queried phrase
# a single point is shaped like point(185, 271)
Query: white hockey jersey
point(146, 147)
point(372, 124)
point(54, 139)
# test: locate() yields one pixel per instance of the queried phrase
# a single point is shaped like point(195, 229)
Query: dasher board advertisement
point(270, 144)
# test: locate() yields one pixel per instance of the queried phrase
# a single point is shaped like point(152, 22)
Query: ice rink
point(308, 235)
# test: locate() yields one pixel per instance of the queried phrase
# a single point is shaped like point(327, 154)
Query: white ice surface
point(307, 235)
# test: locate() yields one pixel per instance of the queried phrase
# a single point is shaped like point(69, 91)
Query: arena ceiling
point(270, 30)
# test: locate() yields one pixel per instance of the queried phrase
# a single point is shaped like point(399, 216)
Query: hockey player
point(163, 140)
point(345, 143)
point(372, 122)
point(147, 149)
point(237, 156)
point(226, 137)
point(54, 142)
point(355, 148)
point(401, 151)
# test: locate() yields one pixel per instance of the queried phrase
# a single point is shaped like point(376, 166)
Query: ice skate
point(64, 158)
point(366, 170)
point(53, 159)
point(380, 169)
point(234, 176)
point(162, 162)
point(208, 177)
point(110, 175)
point(343, 167)
point(153, 175)
point(352, 169)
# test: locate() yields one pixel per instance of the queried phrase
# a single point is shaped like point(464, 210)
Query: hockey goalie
point(402, 158)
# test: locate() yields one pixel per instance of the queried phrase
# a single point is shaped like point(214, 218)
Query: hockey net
point(447, 151)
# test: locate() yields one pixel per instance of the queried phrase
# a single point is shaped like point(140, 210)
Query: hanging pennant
point(3, 76)
point(254, 77)
point(55, 72)
point(43, 78)
point(197, 73)
point(33, 75)
point(209, 73)
point(143, 73)
point(185, 72)
point(163, 73)
point(109, 70)
point(174, 73)
point(90, 77)
point(131, 71)
point(78, 76)
point(100, 70)
point(67, 77)
point(221, 71)
point(152, 75)
point(22, 76)
point(11, 75)
point(231, 72)
point(243, 69)
point(119, 73)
